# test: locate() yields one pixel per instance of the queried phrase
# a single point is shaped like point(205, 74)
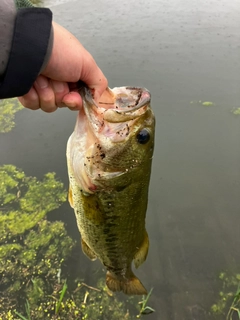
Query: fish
point(109, 157)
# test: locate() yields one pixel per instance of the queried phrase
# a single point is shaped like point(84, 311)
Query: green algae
point(8, 108)
point(207, 103)
point(202, 103)
point(236, 111)
point(31, 247)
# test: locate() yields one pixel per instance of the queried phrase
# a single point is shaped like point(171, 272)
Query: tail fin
point(131, 285)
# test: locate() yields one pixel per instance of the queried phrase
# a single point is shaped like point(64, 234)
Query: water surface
point(183, 52)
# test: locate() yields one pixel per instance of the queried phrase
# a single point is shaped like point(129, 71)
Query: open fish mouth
point(127, 99)
point(118, 104)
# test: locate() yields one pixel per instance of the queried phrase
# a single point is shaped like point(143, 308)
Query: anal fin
point(142, 252)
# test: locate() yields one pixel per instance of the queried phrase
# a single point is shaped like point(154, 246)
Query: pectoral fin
point(142, 252)
point(87, 251)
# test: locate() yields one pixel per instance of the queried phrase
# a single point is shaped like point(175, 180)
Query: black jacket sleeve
point(29, 47)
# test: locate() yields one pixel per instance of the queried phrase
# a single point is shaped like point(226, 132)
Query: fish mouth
point(115, 113)
point(118, 104)
point(124, 99)
point(143, 97)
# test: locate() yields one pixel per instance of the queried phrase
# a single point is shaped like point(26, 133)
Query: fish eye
point(143, 136)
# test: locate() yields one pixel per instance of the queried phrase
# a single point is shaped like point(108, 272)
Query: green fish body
point(109, 159)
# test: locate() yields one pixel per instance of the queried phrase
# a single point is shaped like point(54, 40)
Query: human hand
point(69, 62)
point(49, 95)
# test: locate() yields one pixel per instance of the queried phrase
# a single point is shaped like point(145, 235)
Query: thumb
point(94, 78)
point(72, 100)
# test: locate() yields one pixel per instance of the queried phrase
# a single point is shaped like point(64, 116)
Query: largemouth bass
point(109, 157)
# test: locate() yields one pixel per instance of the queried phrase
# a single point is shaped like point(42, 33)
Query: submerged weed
point(27, 308)
point(144, 308)
point(229, 298)
point(8, 108)
point(236, 111)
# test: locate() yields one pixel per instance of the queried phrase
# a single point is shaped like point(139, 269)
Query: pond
point(187, 53)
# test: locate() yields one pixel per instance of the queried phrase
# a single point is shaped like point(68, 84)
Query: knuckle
point(47, 98)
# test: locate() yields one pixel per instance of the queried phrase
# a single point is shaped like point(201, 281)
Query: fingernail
point(58, 86)
point(69, 101)
point(42, 82)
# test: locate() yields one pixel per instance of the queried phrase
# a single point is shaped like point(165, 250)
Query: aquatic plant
point(28, 311)
point(228, 303)
point(203, 103)
point(31, 248)
point(8, 108)
point(82, 302)
point(207, 103)
point(236, 111)
point(27, 3)
point(145, 309)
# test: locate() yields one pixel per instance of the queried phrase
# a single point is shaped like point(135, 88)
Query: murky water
point(185, 53)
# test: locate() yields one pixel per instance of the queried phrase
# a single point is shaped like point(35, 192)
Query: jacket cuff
point(30, 45)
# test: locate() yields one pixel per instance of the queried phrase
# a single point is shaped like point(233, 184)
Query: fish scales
point(109, 159)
